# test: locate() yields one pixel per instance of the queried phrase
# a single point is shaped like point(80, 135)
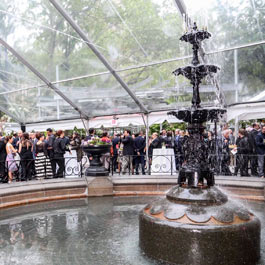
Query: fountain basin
point(202, 228)
point(100, 230)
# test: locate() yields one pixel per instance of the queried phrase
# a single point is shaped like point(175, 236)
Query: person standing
point(75, 144)
point(18, 139)
point(177, 148)
point(105, 158)
point(42, 162)
point(260, 143)
point(25, 152)
point(91, 134)
point(128, 150)
point(2, 158)
point(59, 147)
point(231, 137)
point(169, 140)
point(163, 136)
point(115, 145)
point(224, 153)
point(243, 148)
point(33, 140)
point(237, 157)
point(139, 146)
point(50, 142)
point(11, 163)
point(155, 143)
point(15, 140)
point(253, 151)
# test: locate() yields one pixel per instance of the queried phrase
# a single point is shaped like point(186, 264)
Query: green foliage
point(237, 23)
point(144, 31)
point(167, 126)
point(81, 132)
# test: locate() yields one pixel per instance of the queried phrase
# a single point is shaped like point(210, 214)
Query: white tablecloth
point(162, 161)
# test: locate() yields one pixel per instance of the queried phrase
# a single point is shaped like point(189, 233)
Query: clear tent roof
point(139, 39)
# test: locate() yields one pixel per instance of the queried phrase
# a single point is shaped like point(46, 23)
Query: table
point(163, 162)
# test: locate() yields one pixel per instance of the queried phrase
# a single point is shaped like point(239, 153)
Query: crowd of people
point(42, 155)
point(228, 154)
point(39, 156)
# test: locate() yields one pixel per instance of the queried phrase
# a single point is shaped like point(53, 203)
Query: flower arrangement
point(97, 141)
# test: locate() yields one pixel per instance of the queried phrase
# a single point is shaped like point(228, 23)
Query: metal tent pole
point(82, 34)
point(147, 141)
point(43, 78)
point(181, 6)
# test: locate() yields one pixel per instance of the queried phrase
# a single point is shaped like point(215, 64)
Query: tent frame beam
point(43, 78)
point(181, 7)
point(11, 115)
point(82, 34)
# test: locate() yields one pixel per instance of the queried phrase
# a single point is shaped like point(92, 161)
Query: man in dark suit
point(139, 146)
point(91, 134)
point(128, 150)
point(115, 144)
point(253, 155)
point(156, 143)
point(15, 140)
point(260, 144)
point(50, 149)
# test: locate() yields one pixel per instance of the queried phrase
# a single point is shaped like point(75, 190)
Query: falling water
point(213, 79)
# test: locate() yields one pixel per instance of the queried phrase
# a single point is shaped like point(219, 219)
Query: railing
point(134, 165)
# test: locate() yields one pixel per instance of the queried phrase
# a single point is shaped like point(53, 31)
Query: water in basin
point(93, 231)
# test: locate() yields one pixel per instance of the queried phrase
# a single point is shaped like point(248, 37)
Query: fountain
point(196, 223)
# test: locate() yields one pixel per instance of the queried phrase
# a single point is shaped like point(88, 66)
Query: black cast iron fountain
point(196, 223)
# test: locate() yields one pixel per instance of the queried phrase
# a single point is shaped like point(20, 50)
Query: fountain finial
point(195, 26)
point(196, 72)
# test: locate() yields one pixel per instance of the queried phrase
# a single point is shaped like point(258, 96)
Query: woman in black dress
point(42, 163)
point(26, 156)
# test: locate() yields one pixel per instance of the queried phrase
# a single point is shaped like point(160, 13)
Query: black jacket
point(252, 140)
point(115, 141)
point(59, 147)
point(139, 144)
point(50, 145)
point(50, 141)
point(243, 146)
point(128, 145)
point(156, 143)
point(260, 143)
point(2, 150)
point(169, 141)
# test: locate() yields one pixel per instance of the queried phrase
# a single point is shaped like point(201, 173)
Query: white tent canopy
point(106, 122)
point(246, 111)
point(241, 112)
